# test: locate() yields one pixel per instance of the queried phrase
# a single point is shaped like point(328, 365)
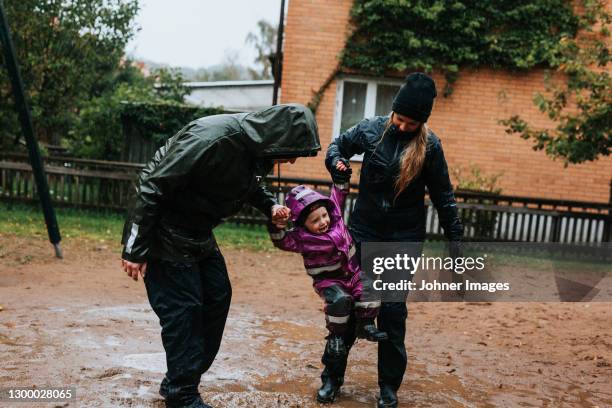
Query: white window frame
point(370, 102)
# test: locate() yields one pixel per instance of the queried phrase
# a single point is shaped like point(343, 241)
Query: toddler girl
point(323, 239)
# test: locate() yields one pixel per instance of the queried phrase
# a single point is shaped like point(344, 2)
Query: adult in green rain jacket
point(203, 174)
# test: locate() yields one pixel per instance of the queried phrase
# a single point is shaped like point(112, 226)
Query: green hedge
point(161, 120)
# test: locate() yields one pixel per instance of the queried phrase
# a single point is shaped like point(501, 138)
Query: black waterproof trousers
point(192, 300)
point(392, 358)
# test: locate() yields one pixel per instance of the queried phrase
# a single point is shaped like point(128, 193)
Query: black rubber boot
point(366, 329)
point(329, 390)
point(335, 346)
point(387, 398)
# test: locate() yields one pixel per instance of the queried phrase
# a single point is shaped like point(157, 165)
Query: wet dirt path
point(81, 322)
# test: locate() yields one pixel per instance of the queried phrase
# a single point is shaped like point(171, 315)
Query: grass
point(106, 227)
point(27, 221)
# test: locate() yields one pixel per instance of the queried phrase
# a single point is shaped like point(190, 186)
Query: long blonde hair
point(412, 159)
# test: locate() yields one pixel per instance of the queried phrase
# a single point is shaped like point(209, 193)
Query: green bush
point(160, 120)
point(152, 105)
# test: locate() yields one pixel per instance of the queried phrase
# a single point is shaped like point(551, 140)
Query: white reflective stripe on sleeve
point(336, 319)
point(302, 194)
point(352, 251)
point(367, 305)
point(130, 242)
point(318, 270)
point(343, 186)
point(277, 236)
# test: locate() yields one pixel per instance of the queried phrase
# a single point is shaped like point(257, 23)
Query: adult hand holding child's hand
point(341, 171)
point(280, 216)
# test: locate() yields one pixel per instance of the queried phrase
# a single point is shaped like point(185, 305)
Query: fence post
point(555, 229)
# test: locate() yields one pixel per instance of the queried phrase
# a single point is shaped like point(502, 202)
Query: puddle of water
point(143, 390)
point(85, 342)
point(291, 330)
point(222, 371)
point(155, 362)
point(112, 341)
point(129, 312)
point(121, 376)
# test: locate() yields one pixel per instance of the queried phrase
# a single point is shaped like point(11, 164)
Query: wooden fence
point(90, 184)
point(106, 185)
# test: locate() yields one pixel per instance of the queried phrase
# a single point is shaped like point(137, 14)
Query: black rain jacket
point(207, 172)
point(377, 213)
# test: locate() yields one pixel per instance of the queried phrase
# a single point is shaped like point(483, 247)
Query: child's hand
point(280, 211)
point(341, 172)
point(280, 216)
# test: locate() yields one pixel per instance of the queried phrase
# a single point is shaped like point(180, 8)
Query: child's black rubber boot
point(366, 329)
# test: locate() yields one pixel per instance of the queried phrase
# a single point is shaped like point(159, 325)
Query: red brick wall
point(466, 122)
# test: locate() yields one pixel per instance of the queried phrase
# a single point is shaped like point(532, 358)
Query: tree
point(98, 132)
point(169, 84)
point(581, 104)
point(68, 52)
point(264, 41)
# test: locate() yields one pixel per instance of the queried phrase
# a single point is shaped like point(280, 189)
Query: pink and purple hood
point(301, 197)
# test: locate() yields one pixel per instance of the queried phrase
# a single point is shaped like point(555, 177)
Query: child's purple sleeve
point(338, 196)
point(284, 239)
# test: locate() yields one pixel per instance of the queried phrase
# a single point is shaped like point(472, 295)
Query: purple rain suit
point(329, 258)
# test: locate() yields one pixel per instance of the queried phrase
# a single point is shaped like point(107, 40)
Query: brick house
point(466, 122)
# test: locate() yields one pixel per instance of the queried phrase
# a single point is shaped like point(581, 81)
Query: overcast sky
point(197, 33)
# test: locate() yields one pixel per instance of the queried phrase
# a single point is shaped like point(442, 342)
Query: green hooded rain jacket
point(207, 172)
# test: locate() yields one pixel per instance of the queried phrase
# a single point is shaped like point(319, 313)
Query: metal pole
point(278, 69)
point(278, 66)
point(25, 118)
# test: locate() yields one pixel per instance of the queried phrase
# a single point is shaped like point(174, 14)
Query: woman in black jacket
point(401, 158)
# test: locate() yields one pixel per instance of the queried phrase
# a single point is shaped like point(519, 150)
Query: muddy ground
point(81, 322)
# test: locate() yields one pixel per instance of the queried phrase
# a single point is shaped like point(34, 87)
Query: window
point(384, 98)
point(353, 104)
point(358, 98)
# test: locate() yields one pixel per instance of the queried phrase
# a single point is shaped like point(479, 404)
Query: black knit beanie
point(415, 97)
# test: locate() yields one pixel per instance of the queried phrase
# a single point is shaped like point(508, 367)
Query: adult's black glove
point(340, 176)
